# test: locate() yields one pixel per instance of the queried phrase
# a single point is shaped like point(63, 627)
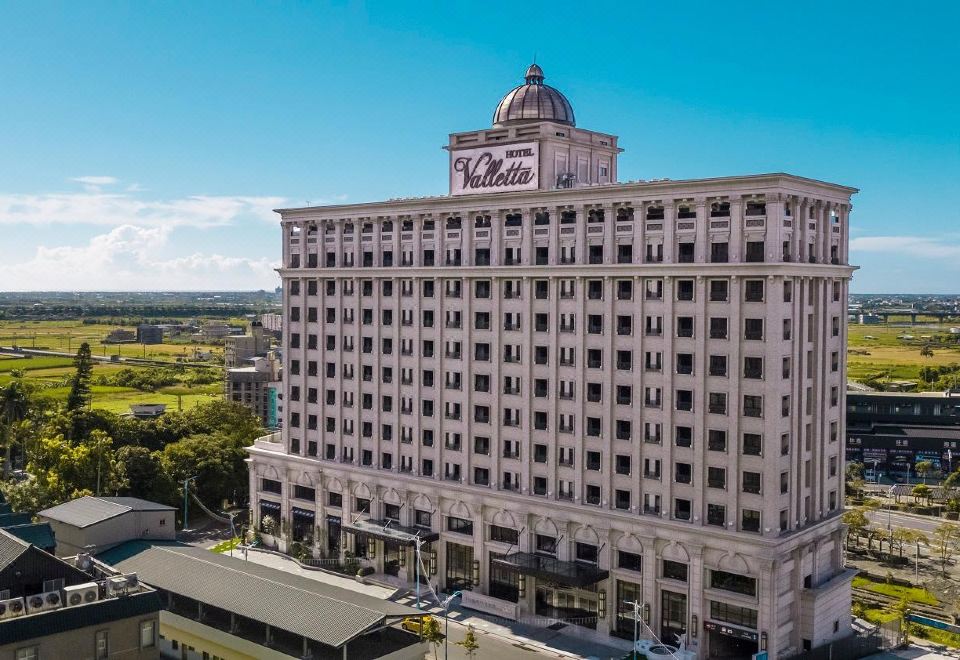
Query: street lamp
point(446, 621)
point(889, 508)
point(186, 496)
point(636, 621)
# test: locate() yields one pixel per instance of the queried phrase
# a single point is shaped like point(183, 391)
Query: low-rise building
point(56, 608)
point(239, 350)
point(217, 605)
point(119, 336)
point(890, 432)
point(149, 334)
point(99, 523)
point(257, 387)
point(272, 323)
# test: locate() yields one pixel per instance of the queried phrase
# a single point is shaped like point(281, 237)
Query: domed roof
point(533, 101)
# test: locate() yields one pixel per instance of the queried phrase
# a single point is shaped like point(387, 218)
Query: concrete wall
point(123, 642)
point(150, 525)
point(202, 638)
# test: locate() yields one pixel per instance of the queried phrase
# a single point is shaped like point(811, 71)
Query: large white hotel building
point(576, 392)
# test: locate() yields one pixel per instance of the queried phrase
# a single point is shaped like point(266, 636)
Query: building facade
point(572, 392)
point(890, 432)
point(66, 608)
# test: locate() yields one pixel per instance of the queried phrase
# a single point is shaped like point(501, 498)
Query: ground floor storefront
point(554, 564)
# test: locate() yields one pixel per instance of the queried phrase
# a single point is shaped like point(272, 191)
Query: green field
point(877, 350)
point(48, 375)
point(68, 335)
point(912, 594)
point(119, 399)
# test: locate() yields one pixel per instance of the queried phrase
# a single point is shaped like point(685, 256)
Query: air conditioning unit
point(116, 585)
point(48, 600)
point(132, 581)
point(81, 594)
point(120, 584)
point(84, 561)
point(12, 607)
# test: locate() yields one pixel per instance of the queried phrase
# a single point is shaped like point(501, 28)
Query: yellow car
point(413, 623)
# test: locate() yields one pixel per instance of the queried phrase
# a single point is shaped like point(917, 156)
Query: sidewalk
point(569, 641)
point(916, 652)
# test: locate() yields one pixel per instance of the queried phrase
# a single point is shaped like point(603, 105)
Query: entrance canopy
point(567, 573)
point(390, 532)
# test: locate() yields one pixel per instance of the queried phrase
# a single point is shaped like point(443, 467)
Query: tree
point(61, 470)
point(944, 541)
point(218, 462)
point(14, 407)
point(926, 351)
point(924, 468)
point(920, 492)
point(469, 643)
point(431, 633)
point(79, 396)
point(857, 522)
point(854, 478)
point(903, 536)
point(144, 477)
point(951, 483)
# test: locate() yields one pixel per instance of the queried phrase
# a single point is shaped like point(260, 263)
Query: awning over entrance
point(567, 573)
point(390, 532)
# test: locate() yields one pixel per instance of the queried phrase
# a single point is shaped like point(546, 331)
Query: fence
point(848, 648)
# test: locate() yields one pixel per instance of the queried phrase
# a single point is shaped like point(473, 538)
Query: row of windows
point(752, 406)
point(750, 481)
point(716, 440)
point(597, 215)
point(718, 290)
point(685, 327)
point(755, 252)
point(651, 504)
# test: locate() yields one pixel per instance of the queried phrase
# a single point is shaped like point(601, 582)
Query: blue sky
point(143, 144)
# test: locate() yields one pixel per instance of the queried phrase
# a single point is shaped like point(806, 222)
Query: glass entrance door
point(459, 567)
point(673, 616)
point(568, 604)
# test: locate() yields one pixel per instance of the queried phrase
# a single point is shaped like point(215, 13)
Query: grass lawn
point(875, 614)
point(912, 594)
point(940, 636)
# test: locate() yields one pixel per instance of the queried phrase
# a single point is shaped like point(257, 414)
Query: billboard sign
point(495, 168)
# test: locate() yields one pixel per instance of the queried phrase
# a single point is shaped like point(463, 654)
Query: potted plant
point(268, 527)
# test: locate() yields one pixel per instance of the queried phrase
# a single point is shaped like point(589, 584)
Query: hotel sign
point(495, 168)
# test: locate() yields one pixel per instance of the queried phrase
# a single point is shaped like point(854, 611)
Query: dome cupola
point(533, 101)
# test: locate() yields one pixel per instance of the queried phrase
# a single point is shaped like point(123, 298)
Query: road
point(884, 519)
point(493, 646)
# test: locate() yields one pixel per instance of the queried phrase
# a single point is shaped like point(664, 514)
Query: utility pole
point(186, 500)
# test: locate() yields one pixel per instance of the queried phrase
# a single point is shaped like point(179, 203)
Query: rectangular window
point(629, 561)
point(738, 616)
point(460, 525)
point(674, 570)
point(504, 535)
point(148, 638)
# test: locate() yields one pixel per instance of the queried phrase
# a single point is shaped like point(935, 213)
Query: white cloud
point(912, 246)
point(96, 180)
point(115, 209)
point(124, 260)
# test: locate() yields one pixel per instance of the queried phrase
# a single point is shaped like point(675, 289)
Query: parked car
point(413, 623)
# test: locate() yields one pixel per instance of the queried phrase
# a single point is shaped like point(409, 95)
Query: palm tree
point(14, 406)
